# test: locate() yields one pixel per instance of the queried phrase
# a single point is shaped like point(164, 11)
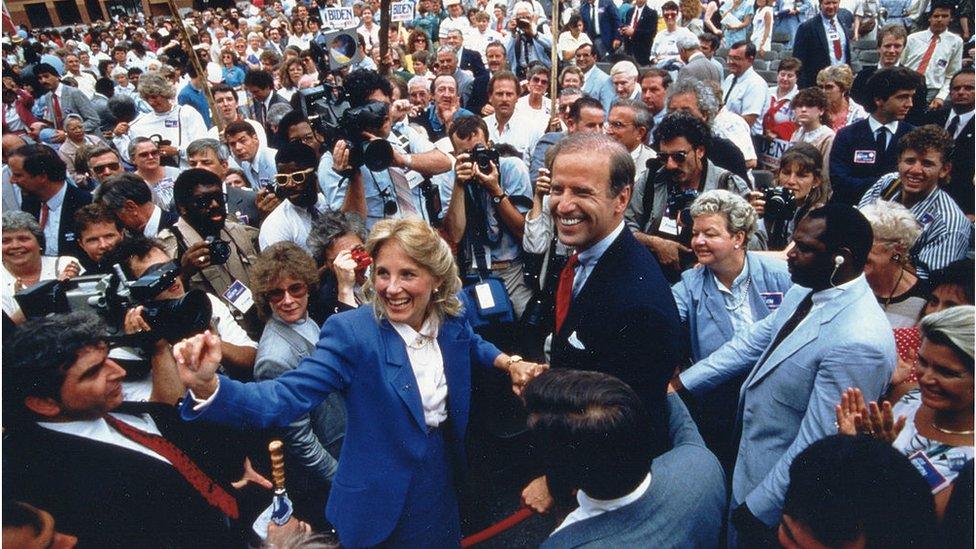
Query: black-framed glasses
point(297, 290)
point(286, 179)
point(679, 157)
point(204, 201)
point(147, 154)
point(308, 139)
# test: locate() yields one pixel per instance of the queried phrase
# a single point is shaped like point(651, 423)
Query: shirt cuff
point(201, 404)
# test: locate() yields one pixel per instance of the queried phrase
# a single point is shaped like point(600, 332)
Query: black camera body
point(219, 250)
point(329, 113)
point(484, 157)
point(780, 204)
point(112, 295)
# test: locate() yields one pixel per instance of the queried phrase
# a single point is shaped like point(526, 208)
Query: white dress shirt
point(946, 59)
point(53, 224)
point(749, 95)
point(964, 119)
point(590, 507)
point(424, 354)
point(521, 132)
point(289, 222)
point(892, 128)
point(99, 431)
point(152, 226)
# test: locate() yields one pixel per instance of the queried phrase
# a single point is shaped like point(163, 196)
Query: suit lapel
point(399, 374)
point(715, 305)
point(807, 331)
point(605, 264)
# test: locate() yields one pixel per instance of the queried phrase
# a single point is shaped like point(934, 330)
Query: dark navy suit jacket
point(856, 163)
point(74, 199)
point(365, 360)
point(609, 22)
point(623, 322)
point(810, 46)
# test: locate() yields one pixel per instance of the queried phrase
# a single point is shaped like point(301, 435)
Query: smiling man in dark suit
point(614, 310)
point(48, 197)
point(823, 41)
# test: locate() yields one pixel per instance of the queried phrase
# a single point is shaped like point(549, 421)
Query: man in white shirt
point(455, 19)
point(256, 161)
point(519, 132)
point(297, 184)
point(744, 92)
point(664, 50)
point(85, 80)
point(623, 77)
point(935, 53)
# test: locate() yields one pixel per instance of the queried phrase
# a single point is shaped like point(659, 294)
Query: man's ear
point(43, 406)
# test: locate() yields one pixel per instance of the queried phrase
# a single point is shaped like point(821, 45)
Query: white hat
point(163, 32)
point(451, 2)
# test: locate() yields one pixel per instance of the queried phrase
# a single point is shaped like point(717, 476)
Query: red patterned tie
point(564, 292)
point(208, 488)
point(44, 214)
point(58, 115)
point(838, 52)
point(928, 55)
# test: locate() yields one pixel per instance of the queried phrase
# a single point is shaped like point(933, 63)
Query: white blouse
point(427, 363)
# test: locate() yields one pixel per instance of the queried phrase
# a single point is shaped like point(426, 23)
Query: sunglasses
point(285, 179)
point(678, 157)
point(206, 200)
point(147, 154)
point(297, 290)
point(110, 167)
point(537, 80)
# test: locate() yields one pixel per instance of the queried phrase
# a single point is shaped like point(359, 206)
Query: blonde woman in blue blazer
point(403, 366)
point(732, 290)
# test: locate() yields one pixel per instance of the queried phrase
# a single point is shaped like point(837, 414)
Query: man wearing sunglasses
point(103, 163)
point(682, 170)
point(296, 185)
point(199, 198)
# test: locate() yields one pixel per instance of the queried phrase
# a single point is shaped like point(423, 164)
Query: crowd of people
point(678, 273)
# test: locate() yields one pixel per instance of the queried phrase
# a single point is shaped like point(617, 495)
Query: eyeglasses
point(618, 125)
point(285, 179)
point(110, 167)
point(206, 200)
point(308, 138)
point(297, 290)
point(539, 80)
point(147, 154)
point(678, 157)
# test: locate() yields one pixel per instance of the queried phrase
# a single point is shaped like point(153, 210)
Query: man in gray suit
point(630, 494)
point(61, 100)
point(829, 334)
point(697, 66)
point(447, 63)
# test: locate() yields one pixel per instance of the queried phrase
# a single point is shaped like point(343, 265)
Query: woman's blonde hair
point(425, 247)
point(838, 74)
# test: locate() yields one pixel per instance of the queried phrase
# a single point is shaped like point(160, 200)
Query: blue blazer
point(856, 163)
point(599, 86)
point(609, 22)
point(702, 307)
point(787, 401)
point(366, 361)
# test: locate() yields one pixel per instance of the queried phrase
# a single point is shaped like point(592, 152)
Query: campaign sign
point(401, 11)
point(339, 18)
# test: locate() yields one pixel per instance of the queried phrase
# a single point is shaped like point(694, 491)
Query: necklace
point(949, 431)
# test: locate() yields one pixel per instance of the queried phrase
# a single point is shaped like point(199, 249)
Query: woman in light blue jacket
point(730, 292)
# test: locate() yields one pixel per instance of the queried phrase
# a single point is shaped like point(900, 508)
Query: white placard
point(339, 18)
point(401, 11)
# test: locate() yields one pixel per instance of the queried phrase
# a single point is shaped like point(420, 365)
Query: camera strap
point(475, 235)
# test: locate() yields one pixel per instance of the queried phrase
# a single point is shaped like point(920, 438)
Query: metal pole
point(554, 69)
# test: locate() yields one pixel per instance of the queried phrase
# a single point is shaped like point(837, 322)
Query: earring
point(737, 246)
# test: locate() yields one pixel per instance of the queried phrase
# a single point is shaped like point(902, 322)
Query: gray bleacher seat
point(868, 57)
point(774, 65)
point(760, 65)
point(776, 47)
point(865, 44)
point(768, 76)
point(781, 38)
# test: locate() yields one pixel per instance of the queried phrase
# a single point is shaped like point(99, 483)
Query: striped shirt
point(947, 235)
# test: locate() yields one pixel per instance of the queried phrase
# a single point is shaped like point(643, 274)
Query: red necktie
point(838, 52)
point(58, 116)
point(44, 211)
point(208, 488)
point(633, 22)
point(928, 55)
point(564, 292)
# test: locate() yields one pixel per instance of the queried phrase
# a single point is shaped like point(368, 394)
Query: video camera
point(328, 111)
point(112, 295)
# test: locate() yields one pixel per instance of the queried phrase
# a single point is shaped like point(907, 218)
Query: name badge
point(668, 226)
point(928, 471)
point(926, 220)
point(172, 123)
point(772, 299)
point(483, 293)
point(865, 157)
point(239, 296)
point(413, 178)
point(942, 63)
point(69, 237)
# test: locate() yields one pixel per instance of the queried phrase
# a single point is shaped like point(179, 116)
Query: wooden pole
point(384, 36)
point(554, 69)
point(201, 70)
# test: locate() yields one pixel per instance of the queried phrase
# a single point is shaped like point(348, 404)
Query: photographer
point(658, 211)
point(296, 185)
point(486, 207)
point(527, 41)
point(215, 254)
point(136, 256)
point(403, 189)
point(800, 175)
point(242, 203)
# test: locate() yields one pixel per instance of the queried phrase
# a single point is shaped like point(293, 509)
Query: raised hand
point(197, 359)
point(851, 406)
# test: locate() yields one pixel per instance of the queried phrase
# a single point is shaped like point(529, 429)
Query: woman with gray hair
point(74, 139)
point(934, 425)
point(888, 270)
point(733, 290)
point(172, 126)
point(23, 264)
point(335, 239)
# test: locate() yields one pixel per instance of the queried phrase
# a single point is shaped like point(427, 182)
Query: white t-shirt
point(665, 46)
point(289, 223)
point(181, 126)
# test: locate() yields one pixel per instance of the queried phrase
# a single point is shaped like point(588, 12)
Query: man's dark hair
point(750, 48)
point(259, 78)
point(17, 514)
point(790, 64)
point(712, 39)
point(595, 432)
point(41, 160)
point(585, 102)
point(37, 357)
point(297, 153)
point(90, 214)
point(942, 5)
point(105, 86)
point(961, 273)
point(664, 75)
point(45, 68)
point(888, 81)
point(134, 71)
point(135, 246)
point(846, 227)
point(669, 5)
point(288, 121)
point(928, 138)
point(123, 108)
point(964, 70)
point(502, 75)
point(222, 88)
point(466, 126)
point(240, 126)
point(843, 487)
point(682, 124)
point(189, 180)
point(361, 83)
point(121, 187)
point(622, 169)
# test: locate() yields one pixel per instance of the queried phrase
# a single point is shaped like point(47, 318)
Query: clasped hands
point(522, 372)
